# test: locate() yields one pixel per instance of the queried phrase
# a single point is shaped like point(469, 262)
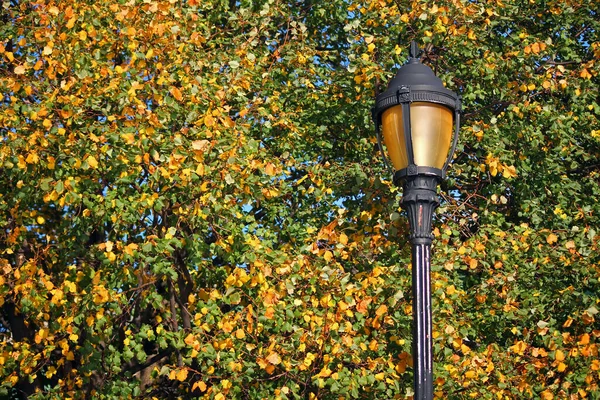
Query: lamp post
point(420, 122)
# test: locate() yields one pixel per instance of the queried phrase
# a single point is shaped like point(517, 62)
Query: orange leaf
point(199, 385)
point(274, 358)
point(270, 169)
point(361, 307)
point(584, 339)
point(176, 93)
point(381, 310)
point(189, 339)
point(552, 238)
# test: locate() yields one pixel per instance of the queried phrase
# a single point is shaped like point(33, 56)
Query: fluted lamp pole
point(419, 118)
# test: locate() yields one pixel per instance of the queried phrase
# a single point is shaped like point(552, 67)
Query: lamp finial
point(414, 50)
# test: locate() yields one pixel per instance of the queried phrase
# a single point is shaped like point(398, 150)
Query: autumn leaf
point(176, 93)
point(199, 385)
point(200, 145)
point(274, 358)
point(92, 162)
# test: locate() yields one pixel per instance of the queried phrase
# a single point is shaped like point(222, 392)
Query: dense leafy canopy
point(192, 201)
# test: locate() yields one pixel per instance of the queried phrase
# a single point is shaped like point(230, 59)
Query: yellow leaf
point(343, 238)
point(100, 295)
point(559, 355)
point(82, 35)
point(47, 51)
point(53, 10)
point(129, 138)
point(552, 238)
point(51, 162)
point(328, 256)
point(240, 334)
point(71, 22)
point(519, 347)
point(509, 172)
point(108, 246)
point(92, 162)
point(19, 70)
point(209, 120)
point(465, 349)
point(42, 334)
point(149, 53)
point(181, 375)
point(51, 371)
point(32, 158)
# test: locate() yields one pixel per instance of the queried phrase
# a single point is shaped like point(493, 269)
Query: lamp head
point(417, 114)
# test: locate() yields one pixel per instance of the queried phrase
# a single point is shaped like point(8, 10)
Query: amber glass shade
point(431, 127)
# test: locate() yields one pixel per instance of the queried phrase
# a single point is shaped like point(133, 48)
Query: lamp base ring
point(415, 170)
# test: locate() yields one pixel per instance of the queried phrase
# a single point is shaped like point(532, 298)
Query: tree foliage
point(193, 204)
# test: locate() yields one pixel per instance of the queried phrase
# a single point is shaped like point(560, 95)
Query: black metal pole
point(420, 200)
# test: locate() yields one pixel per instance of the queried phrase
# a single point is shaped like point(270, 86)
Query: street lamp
point(420, 122)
